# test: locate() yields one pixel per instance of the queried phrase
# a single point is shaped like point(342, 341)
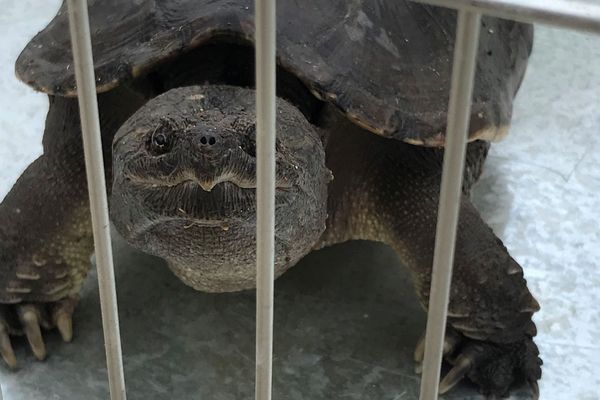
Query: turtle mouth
point(242, 181)
point(202, 190)
point(208, 202)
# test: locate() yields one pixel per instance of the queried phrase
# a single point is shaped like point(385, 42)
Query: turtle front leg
point(388, 191)
point(489, 336)
point(490, 333)
point(45, 228)
point(45, 236)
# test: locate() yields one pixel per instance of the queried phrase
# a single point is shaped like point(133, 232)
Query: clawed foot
point(494, 367)
point(28, 319)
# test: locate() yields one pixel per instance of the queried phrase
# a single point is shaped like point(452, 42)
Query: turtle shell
point(385, 63)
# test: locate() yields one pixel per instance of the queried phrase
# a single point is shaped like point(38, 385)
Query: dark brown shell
point(385, 63)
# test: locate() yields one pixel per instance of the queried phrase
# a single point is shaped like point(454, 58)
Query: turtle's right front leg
point(45, 228)
point(45, 236)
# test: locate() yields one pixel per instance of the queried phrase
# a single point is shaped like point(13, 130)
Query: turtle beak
point(207, 185)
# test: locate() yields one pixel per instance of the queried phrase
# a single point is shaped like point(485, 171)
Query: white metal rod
point(459, 110)
point(265, 210)
point(571, 14)
point(92, 146)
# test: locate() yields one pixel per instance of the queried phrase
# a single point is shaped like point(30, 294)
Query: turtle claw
point(451, 340)
point(64, 323)
point(456, 374)
point(419, 354)
point(62, 317)
point(31, 320)
point(535, 390)
point(494, 367)
point(6, 349)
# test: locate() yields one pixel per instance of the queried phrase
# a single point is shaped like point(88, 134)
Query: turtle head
point(184, 185)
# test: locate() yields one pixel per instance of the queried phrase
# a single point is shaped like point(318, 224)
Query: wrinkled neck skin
point(219, 258)
point(184, 185)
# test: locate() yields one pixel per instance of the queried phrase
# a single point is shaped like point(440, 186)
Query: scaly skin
point(391, 195)
point(383, 190)
point(190, 197)
point(45, 230)
point(184, 184)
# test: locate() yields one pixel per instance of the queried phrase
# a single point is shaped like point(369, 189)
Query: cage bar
point(265, 209)
point(92, 146)
point(459, 109)
point(571, 14)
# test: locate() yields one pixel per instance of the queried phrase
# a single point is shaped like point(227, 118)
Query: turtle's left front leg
point(490, 331)
point(390, 194)
point(489, 334)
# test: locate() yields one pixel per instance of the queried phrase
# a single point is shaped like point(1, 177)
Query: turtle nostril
point(208, 140)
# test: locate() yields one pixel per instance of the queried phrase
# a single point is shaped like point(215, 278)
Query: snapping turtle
point(362, 105)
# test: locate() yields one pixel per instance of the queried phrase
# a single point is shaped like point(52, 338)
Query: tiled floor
point(346, 318)
point(541, 192)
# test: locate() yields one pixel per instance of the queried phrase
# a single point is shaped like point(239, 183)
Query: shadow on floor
point(346, 322)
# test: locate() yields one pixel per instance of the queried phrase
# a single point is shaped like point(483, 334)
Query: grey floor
point(346, 317)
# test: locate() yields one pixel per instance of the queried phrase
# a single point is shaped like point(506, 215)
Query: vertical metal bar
point(265, 213)
point(92, 146)
point(459, 110)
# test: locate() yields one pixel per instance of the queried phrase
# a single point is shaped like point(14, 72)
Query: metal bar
point(571, 14)
point(92, 146)
point(265, 211)
point(459, 109)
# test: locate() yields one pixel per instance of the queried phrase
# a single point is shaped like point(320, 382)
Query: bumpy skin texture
point(45, 231)
point(41, 259)
point(169, 198)
point(391, 195)
point(188, 196)
point(184, 167)
point(185, 179)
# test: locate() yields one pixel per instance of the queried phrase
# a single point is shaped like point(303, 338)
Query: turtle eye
point(160, 143)
point(160, 140)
